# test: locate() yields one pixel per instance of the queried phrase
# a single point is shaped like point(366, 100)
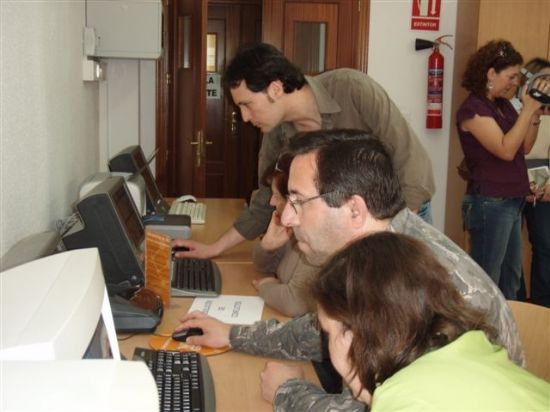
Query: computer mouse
point(182, 335)
point(186, 198)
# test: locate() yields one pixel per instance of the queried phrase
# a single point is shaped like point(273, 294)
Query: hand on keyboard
point(215, 333)
point(195, 250)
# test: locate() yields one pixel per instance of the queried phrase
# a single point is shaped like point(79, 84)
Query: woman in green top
point(403, 338)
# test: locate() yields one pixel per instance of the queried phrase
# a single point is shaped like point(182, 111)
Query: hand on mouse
point(215, 333)
point(184, 334)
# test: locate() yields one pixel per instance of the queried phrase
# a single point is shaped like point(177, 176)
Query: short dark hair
point(497, 54)
point(397, 299)
point(258, 65)
point(278, 173)
point(352, 162)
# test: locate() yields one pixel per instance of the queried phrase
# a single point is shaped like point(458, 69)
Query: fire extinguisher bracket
point(435, 80)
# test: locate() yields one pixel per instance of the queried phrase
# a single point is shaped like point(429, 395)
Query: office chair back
point(534, 330)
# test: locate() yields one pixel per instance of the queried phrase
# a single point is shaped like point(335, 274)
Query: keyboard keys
point(183, 379)
point(195, 277)
point(197, 211)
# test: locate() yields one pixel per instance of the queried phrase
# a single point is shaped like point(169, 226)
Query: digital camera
point(533, 91)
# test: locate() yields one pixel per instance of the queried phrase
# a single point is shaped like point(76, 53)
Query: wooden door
point(232, 152)
point(204, 147)
point(318, 35)
point(181, 98)
point(228, 166)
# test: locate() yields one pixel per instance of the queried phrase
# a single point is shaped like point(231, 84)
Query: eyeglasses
point(296, 203)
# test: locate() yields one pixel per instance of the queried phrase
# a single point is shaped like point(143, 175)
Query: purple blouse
point(490, 175)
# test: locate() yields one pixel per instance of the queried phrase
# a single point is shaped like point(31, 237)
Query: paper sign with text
point(213, 86)
point(232, 309)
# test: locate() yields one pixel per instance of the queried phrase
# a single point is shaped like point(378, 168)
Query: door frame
point(169, 173)
point(176, 151)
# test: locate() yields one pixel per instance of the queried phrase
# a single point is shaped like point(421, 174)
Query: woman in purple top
point(494, 139)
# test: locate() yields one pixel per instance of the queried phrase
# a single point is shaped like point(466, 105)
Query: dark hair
point(352, 162)
point(534, 66)
point(278, 173)
point(398, 301)
point(260, 64)
point(497, 54)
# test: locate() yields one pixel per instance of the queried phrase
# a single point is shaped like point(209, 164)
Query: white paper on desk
point(232, 309)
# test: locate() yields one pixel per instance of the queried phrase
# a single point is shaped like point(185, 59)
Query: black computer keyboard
point(183, 379)
point(195, 277)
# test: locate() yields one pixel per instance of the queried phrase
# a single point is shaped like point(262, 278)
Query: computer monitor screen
point(134, 183)
point(145, 171)
point(132, 160)
point(99, 346)
point(57, 307)
point(111, 222)
point(128, 215)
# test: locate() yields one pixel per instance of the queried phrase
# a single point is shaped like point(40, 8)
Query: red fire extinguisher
point(435, 80)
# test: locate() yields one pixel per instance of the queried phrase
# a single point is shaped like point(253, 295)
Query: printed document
point(232, 309)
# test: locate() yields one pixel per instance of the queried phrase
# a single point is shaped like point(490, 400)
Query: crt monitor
point(77, 385)
point(135, 184)
point(57, 307)
point(132, 160)
point(111, 222)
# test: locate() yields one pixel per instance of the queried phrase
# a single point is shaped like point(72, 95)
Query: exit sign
point(425, 15)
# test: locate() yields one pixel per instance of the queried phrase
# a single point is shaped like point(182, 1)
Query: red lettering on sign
point(425, 14)
point(425, 24)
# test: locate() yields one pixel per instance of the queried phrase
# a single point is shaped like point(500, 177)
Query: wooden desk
point(236, 375)
point(220, 215)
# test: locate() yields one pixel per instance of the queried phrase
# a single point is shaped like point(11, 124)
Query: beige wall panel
point(525, 23)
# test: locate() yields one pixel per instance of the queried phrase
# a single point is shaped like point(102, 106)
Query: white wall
point(127, 108)
point(49, 116)
point(402, 71)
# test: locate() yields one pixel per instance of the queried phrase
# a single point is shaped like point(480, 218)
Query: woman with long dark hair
point(403, 338)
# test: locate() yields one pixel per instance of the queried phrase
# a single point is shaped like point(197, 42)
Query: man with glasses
point(342, 187)
point(275, 96)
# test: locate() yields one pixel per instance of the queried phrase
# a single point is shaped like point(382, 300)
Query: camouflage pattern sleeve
point(475, 286)
point(300, 395)
point(298, 339)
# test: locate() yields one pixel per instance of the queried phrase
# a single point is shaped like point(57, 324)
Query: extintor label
point(435, 91)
